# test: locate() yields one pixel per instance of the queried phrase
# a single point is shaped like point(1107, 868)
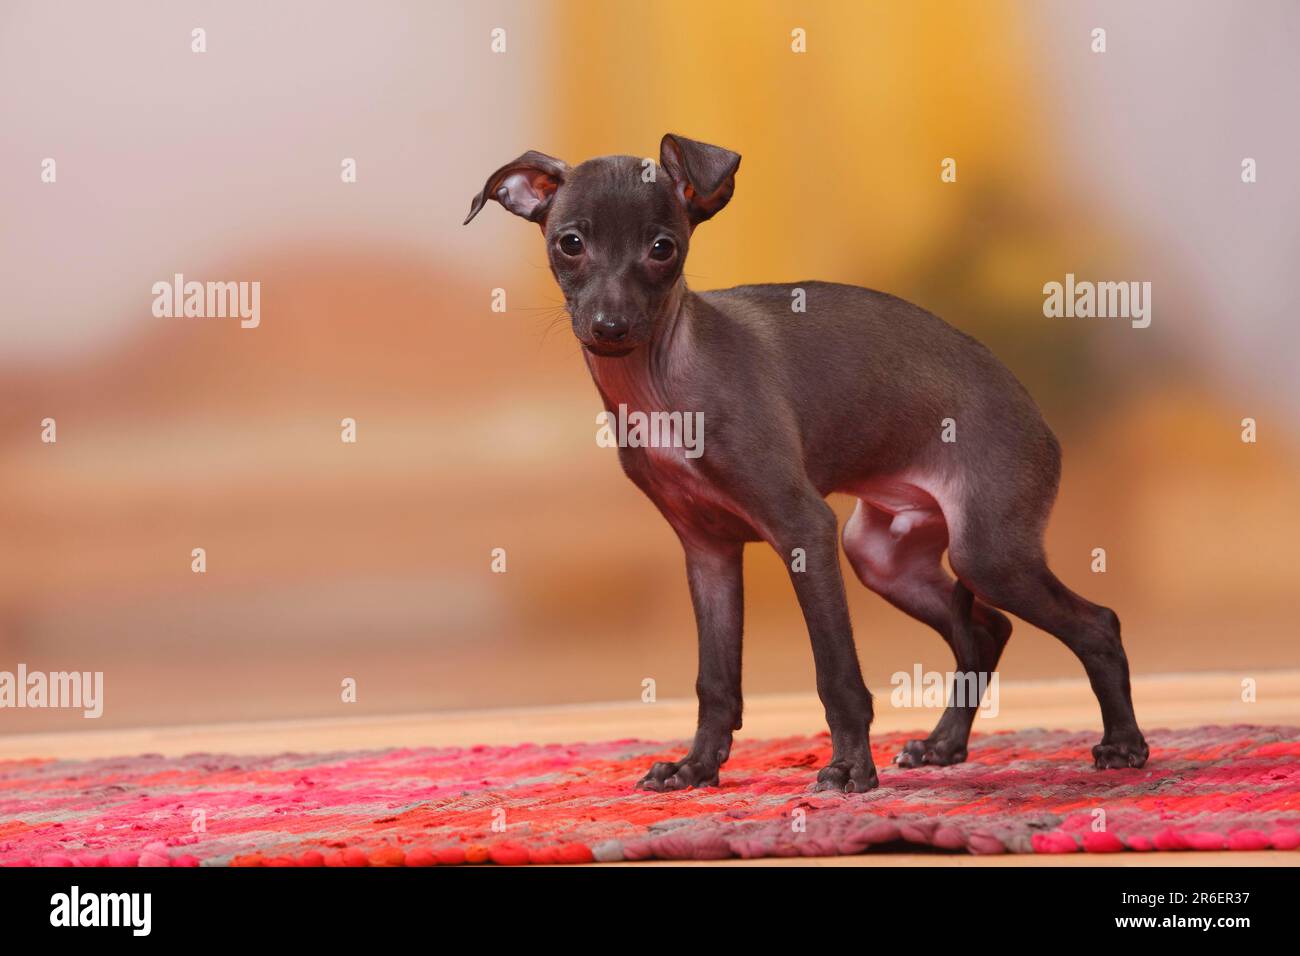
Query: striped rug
point(1208, 788)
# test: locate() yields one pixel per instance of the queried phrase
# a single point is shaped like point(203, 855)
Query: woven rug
point(1208, 788)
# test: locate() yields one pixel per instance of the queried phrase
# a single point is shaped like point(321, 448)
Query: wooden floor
point(1164, 701)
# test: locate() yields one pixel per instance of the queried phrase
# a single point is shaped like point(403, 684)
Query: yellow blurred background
point(371, 561)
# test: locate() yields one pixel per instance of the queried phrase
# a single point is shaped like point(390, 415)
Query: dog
point(860, 393)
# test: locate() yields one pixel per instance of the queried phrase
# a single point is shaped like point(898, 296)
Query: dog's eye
point(662, 250)
point(571, 244)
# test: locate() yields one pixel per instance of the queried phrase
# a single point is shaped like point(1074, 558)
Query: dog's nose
point(609, 328)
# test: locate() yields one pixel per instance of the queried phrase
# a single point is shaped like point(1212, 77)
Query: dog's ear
point(705, 176)
point(525, 186)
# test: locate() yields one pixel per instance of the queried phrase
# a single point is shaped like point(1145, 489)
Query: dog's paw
point(933, 751)
point(679, 775)
point(849, 776)
point(1120, 754)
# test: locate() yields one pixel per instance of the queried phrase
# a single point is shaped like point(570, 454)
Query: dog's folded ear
point(705, 176)
point(525, 186)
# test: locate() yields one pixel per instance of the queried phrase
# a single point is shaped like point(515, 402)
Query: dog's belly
point(679, 487)
point(913, 500)
point(894, 495)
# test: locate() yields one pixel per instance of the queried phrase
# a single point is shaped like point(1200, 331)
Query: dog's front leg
point(714, 571)
point(809, 524)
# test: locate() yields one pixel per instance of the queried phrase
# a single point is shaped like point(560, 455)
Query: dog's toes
point(691, 773)
point(654, 779)
point(847, 777)
point(826, 783)
point(1112, 755)
point(912, 754)
point(932, 752)
point(681, 775)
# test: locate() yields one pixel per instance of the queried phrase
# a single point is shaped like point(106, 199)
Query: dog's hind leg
point(1022, 584)
point(900, 558)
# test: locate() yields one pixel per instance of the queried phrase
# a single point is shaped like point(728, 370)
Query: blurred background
point(328, 560)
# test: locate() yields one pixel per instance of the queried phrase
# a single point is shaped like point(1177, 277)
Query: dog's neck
point(643, 380)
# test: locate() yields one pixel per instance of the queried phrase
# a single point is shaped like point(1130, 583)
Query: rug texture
point(1209, 788)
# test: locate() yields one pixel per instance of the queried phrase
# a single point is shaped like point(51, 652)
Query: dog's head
point(617, 230)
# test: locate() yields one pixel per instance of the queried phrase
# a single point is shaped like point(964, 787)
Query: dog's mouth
point(608, 351)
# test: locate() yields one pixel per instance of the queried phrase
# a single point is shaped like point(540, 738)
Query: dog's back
point(874, 375)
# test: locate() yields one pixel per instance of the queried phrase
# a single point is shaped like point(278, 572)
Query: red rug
point(1209, 788)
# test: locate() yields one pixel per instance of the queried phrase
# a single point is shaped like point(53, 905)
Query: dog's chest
point(660, 447)
point(680, 487)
